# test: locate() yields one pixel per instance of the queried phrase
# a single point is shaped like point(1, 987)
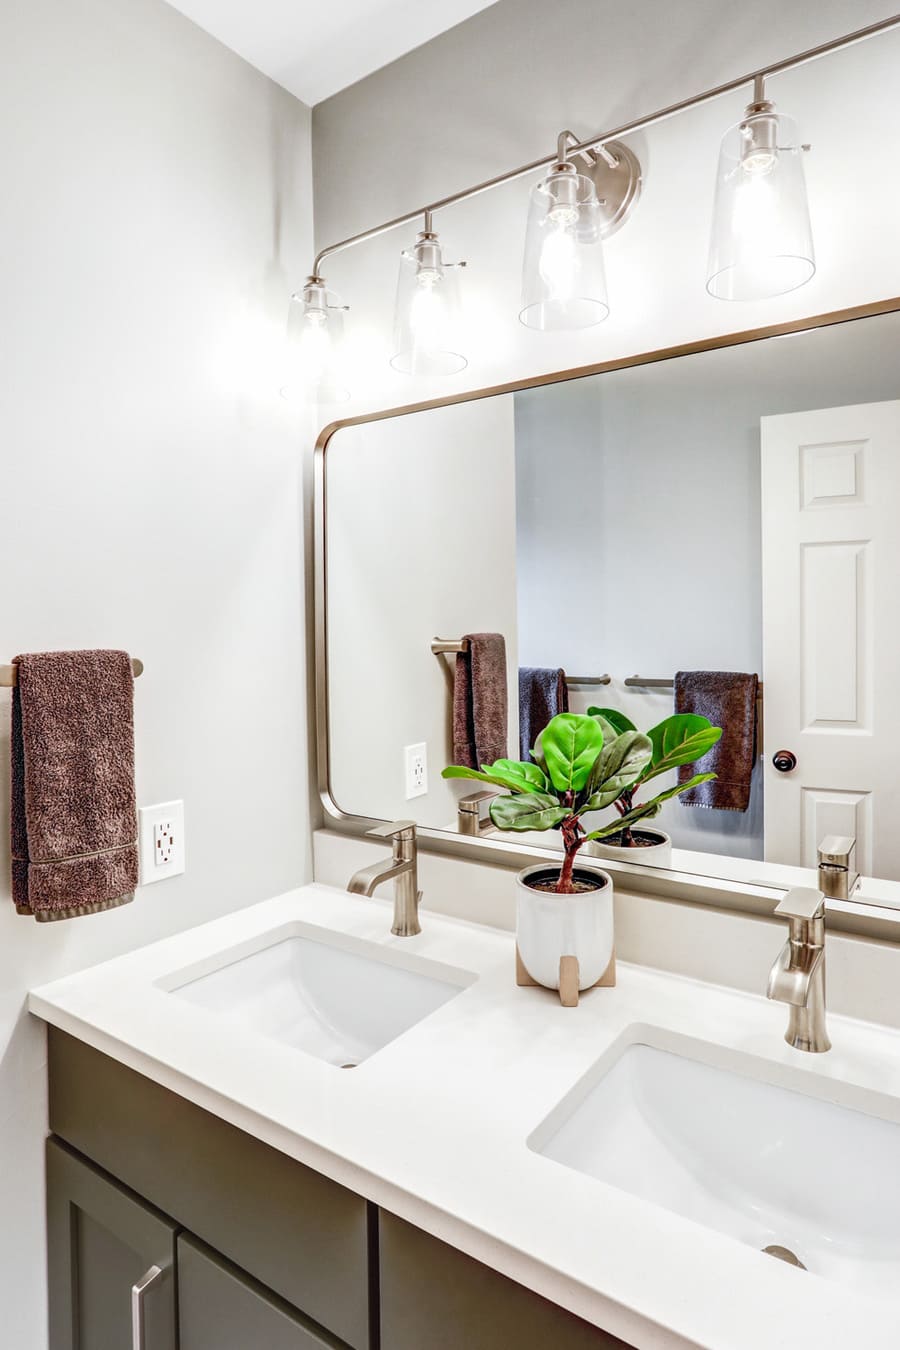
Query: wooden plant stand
point(568, 978)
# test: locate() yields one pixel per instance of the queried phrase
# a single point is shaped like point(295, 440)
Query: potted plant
point(580, 763)
point(682, 738)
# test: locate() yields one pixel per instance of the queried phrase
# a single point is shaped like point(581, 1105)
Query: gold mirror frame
point(688, 887)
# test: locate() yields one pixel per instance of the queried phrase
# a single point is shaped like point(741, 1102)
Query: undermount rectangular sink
point(330, 997)
point(767, 1165)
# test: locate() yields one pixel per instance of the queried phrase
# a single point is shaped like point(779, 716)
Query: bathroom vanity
point(494, 1171)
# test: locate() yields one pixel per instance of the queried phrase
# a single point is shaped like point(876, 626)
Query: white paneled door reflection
point(831, 631)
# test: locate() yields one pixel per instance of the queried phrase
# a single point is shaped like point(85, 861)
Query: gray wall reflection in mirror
point(617, 523)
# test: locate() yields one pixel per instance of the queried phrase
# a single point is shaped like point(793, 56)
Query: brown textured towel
point(73, 820)
point(542, 694)
point(728, 699)
point(480, 703)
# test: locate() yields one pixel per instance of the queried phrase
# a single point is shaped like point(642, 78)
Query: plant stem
point(571, 832)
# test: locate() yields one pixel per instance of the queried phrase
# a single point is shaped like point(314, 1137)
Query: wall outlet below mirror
point(416, 758)
point(161, 841)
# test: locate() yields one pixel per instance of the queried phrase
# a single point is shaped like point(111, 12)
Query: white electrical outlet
point(416, 770)
point(161, 835)
point(163, 842)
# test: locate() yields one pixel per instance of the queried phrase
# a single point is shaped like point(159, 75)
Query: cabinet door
point(435, 1297)
point(110, 1262)
point(221, 1308)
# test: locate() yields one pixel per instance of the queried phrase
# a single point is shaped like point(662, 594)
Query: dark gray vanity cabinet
point(256, 1251)
point(102, 1243)
point(293, 1230)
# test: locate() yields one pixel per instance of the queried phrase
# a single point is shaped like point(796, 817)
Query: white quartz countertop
point(434, 1126)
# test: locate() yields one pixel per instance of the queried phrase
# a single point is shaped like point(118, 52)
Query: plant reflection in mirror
point(587, 762)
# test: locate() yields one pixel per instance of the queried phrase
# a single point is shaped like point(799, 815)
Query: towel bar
point(9, 675)
point(642, 682)
point(441, 646)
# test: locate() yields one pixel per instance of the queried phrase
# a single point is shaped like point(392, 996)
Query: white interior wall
point(156, 213)
point(421, 544)
point(495, 91)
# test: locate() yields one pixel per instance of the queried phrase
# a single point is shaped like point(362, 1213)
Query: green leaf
point(537, 754)
point(680, 739)
point(505, 773)
point(609, 729)
point(646, 810)
point(619, 766)
point(570, 744)
point(614, 718)
point(517, 775)
point(530, 811)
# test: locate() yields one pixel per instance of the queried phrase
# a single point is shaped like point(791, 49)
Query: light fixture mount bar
point(596, 143)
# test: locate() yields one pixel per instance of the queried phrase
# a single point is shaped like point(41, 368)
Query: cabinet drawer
point(220, 1309)
point(434, 1296)
point(295, 1231)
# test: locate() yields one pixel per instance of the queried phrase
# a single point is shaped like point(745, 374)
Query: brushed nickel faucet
point(798, 975)
point(468, 814)
point(838, 877)
point(403, 868)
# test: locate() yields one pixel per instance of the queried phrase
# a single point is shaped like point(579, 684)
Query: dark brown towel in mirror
point(480, 702)
point(542, 694)
point(73, 819)
point(728, 699)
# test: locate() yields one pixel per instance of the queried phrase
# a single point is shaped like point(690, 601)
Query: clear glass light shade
point(427, 318)
point(315, 338)
point(761, 242)
point(563, 279)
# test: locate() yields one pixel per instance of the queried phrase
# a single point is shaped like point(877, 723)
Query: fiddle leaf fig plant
point(585, 763)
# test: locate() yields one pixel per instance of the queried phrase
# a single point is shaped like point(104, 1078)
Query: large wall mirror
point(726, 509)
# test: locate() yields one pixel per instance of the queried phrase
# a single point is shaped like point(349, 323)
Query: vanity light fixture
point(761, 243)
point(315, 345)
point(563, 281)
point(427, 315)
point(571, 211)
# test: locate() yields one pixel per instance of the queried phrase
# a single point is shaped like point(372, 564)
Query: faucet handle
point(391, 829)
point(802, 902)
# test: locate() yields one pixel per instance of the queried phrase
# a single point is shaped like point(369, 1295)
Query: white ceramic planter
point(651, 855)
point(550, 926)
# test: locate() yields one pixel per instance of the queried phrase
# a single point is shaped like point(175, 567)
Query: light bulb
point(426, 312)
point(315, 344)
point(558, 263)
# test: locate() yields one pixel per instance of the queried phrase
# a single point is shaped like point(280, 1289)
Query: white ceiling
point(317, 47)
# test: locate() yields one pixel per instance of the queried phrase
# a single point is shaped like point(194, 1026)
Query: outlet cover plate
point(416, 770)
point(161, 833)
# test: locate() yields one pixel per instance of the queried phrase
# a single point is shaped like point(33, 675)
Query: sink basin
point(767, 1165)
point(333, 999)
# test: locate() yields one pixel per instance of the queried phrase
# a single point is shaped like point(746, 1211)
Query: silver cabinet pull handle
point(138, 1291)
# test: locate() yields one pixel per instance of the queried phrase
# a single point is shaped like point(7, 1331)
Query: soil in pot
point(546, 882)
point(639, 839)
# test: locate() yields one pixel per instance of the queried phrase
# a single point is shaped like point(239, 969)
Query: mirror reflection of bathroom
point(710, 535)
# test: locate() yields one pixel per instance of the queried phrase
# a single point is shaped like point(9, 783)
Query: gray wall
point(156, 214)
point(638, 518)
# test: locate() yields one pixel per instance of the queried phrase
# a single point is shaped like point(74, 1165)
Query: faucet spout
point(790, 979)
point(367, 880)
point(798, 976)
